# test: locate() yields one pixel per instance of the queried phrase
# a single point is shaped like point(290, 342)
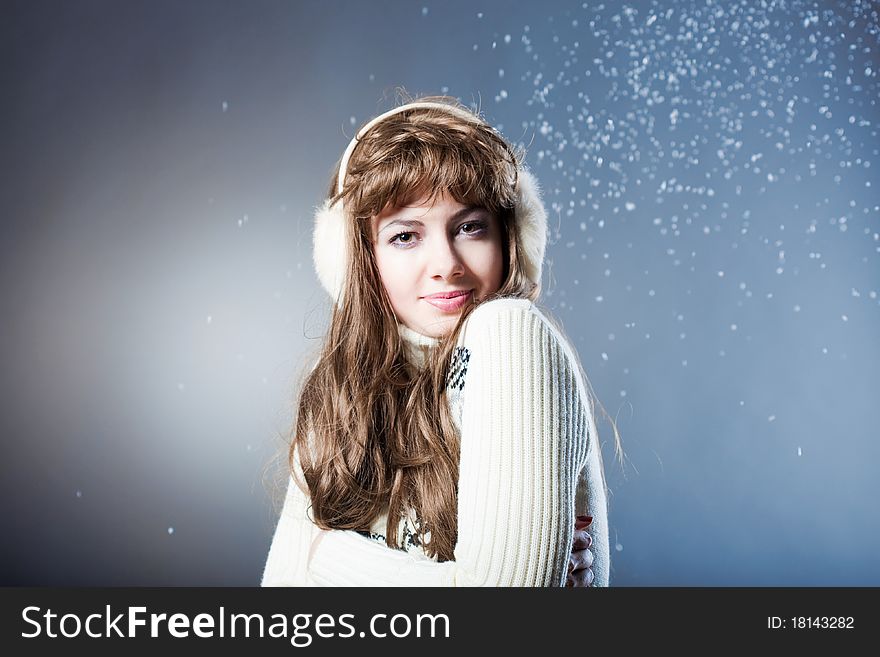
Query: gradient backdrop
point(710, 169)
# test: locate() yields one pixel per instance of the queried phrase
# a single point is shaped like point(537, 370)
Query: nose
point(444, 260)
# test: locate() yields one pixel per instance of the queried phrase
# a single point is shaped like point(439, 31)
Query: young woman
point(446, 416)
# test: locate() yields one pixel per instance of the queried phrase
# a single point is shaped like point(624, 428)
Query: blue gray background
point(710, 172)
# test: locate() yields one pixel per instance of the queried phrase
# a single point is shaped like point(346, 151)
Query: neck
point(417, 347)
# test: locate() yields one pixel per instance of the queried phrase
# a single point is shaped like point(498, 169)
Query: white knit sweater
point(529, 464)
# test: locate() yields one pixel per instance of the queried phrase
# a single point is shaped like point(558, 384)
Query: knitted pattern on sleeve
point(528, 465)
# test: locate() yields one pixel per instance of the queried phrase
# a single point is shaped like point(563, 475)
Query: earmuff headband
point(330, 252)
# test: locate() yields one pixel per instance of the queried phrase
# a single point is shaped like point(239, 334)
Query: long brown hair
point(372, 428)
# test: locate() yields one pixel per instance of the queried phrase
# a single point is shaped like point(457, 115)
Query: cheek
point(491, 264)
point(393, 274)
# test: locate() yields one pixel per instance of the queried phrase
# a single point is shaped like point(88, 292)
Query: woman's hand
point(580, 564)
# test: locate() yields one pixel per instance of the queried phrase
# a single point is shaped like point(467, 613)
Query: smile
point(450, 304)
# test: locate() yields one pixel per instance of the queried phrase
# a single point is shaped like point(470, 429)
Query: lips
point(447, 295)
point(450, 301)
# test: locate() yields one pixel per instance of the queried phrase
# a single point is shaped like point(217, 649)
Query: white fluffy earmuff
point(330, 241)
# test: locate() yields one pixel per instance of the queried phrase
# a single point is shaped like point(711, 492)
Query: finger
point(588, 577)
point(583, 577)
point(580, 559)
point(584, 559)
point(582, 540)
point(577, 560)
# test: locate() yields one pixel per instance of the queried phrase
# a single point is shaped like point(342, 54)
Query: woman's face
point(422, 250)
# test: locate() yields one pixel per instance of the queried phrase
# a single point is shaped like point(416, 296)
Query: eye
point(475, 227)
point(398, 239)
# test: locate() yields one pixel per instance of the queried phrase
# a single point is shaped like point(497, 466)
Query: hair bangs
point(417, 162)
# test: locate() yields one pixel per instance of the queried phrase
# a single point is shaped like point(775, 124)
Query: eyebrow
point(411, 223)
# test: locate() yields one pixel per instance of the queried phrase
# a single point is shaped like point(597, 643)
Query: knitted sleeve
point(527, 468)
point(287, 562)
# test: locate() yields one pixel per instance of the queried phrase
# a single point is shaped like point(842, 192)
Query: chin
point(444, 326)
point(435, 327)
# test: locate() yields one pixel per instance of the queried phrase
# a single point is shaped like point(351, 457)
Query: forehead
point(419, 202)
point(443, 207)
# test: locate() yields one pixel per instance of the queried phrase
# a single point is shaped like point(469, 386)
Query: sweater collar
point(417, 347)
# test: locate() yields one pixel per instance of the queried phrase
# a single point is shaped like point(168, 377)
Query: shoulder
point(512, 325)
point(513, 340)
point(506, 304)
point(508, 318)
point(498, 310)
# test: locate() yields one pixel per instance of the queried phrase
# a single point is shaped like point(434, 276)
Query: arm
point(286, 564)
point(296, 541)
point(523, 449)
point(591, 501)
